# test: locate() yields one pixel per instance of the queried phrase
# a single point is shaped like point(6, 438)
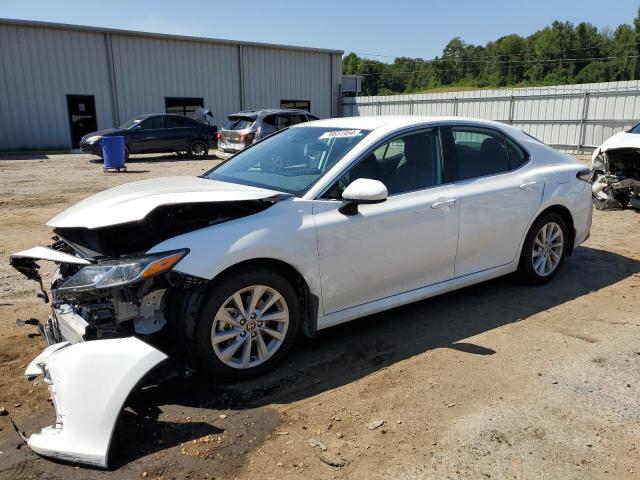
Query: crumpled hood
point(619, 140)
point(133, 201)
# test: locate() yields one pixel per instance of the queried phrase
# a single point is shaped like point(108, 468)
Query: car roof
point(255, 113)
point(147, 115)
point(398, 121)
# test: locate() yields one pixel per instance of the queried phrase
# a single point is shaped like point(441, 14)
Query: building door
point(82, 117)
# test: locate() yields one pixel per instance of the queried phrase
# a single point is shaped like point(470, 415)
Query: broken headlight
point(114, 273)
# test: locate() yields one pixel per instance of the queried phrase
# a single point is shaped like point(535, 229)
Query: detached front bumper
point(89, 383)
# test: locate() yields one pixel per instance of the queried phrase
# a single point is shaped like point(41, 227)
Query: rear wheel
point(544, 249)
point(247, 325)
point(198, 149)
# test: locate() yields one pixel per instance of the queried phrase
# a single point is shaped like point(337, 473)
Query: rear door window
point(174, 122)
point(475, 152)
point(285, 121)
point(269, 125)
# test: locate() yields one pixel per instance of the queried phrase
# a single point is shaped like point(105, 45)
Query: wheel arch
point(309, 303)
point(566, 215)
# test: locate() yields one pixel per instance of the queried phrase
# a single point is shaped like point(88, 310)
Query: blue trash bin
point(113, 153)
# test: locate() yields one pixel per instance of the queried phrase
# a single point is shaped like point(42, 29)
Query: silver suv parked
point(246, 127)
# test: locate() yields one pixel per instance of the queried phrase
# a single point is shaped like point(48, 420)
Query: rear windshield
point(238, 123)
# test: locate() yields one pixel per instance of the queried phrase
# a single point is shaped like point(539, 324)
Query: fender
point(562, 193)
point(262, 235)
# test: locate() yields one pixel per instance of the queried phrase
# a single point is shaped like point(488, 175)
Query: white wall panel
point(39, 69)
point(271, 75)
point(149, 69)
point(554, 114)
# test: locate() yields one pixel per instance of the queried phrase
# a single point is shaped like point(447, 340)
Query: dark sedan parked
point(156, 133)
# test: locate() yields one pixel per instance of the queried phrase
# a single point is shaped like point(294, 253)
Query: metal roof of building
point(165, 36)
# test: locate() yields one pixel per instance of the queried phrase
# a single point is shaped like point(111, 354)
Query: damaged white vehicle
point(316, 225)
point(616, 171)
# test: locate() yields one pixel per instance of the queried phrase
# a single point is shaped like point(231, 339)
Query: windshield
point(635, 129)
point(131, 123)
point(289, 161)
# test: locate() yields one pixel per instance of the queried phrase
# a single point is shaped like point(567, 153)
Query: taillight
point(218, 136)
point(247, 138)
point(585, 175)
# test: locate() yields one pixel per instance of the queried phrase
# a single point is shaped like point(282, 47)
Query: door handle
point(528, 185)
point(448, 202)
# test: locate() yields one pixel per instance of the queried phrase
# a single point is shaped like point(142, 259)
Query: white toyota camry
point(316, 225)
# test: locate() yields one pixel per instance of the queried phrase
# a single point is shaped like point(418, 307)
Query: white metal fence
point(575, 118)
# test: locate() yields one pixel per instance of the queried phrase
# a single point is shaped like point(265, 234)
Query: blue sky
point(401, 27)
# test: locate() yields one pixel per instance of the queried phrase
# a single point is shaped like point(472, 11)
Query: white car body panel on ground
point(89, 383)
point(389, 252)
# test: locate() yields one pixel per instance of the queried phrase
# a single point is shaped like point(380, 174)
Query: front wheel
point(544, 249)
point(247, 325)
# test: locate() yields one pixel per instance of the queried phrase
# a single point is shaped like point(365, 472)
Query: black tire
point(526, 269)
point(207, 359)
point(126, 154)
point(198, 149)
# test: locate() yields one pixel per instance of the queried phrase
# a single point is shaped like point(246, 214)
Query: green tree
point(558, 54)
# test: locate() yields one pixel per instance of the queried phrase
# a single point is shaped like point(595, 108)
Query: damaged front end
point(118, 311)
point(103, 339)
point(616, 179)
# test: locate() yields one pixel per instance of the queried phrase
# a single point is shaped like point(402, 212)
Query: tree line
point(562, 53)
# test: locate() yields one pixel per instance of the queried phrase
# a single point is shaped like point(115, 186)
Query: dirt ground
point(498, 380)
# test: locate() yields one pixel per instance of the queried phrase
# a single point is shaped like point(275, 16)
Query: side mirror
point(362, 191)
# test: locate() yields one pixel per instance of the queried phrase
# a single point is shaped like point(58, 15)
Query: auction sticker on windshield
point(340, 134)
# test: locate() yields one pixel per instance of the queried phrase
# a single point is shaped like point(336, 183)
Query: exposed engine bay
point(616, 179)
point(124, 301)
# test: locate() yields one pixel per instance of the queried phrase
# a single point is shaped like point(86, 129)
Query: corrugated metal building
point(56, 79)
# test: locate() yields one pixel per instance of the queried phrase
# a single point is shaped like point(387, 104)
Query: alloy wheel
point(250, 326)
point(547, 249)
point(198, 149)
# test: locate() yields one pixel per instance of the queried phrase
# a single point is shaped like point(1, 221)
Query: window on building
point(299, 104)
point(183, 105)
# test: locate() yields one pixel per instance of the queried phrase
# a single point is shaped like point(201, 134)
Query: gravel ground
point(497, 380)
